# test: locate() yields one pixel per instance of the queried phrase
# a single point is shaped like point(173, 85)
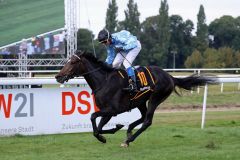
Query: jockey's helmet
point(103, 36)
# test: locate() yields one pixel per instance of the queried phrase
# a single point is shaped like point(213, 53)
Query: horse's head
point(73, 68)
point(81, 63)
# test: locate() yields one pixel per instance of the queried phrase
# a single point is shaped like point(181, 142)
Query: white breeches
point(126, 58)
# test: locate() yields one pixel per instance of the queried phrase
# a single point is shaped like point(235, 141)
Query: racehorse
point(107, 85)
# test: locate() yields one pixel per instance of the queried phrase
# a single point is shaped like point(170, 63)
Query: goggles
point(104, 41)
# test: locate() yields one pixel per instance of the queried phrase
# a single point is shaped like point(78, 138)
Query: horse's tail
point(193, 81)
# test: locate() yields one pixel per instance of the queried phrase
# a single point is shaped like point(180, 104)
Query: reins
point(90, 71)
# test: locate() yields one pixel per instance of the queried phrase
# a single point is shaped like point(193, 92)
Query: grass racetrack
point(172, 136)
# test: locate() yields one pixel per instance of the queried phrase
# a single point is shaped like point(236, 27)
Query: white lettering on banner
point(51, 110)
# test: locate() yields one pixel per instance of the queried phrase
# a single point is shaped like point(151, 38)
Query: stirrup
point(131, 87)
point(131, 90)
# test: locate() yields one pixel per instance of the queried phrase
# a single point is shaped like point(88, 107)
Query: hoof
point(119, 126)
point(124, 145)
point(101, 139)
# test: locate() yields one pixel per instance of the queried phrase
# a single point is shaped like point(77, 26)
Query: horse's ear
point(79, 52)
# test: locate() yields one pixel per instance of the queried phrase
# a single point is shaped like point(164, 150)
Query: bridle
point(86, 73)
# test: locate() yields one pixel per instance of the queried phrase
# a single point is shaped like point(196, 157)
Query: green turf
point(229, 97)
point(173, 136)
point(26, 18)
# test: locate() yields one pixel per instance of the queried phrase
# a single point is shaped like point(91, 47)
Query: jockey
point(122, 48)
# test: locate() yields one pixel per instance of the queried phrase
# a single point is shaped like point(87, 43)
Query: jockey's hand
point(118, 49)
point(109, 65)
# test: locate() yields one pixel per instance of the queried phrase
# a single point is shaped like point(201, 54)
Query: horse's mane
point(95, 60)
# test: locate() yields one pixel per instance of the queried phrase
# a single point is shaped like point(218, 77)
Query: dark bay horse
point(107, 85)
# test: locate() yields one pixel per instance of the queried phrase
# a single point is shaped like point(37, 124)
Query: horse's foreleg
point(104, 121)
point(95, 129)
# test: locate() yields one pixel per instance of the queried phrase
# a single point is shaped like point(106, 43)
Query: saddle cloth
point(144, 78)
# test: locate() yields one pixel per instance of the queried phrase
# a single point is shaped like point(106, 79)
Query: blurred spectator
point(33, 40)
point(38, 45)
point(23, 46)
point(47, 44)
point(61, 40)
point(55, 44)
point(56, 40)
point(30, 49)
point(5, 51)
point(51, 40)
point(14, 49)
point(42, 44)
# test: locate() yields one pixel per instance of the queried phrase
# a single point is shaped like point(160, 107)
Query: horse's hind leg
point(154, 101)
point(105, 120)
point(143, 110)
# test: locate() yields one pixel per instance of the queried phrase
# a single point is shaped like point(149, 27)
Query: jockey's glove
point(109, 65)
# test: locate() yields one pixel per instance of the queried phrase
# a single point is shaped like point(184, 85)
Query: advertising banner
point(52, 111)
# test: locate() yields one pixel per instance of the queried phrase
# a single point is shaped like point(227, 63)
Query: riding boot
point(132, 80)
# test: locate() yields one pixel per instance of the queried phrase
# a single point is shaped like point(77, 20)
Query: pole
point(204, 106)
point(198, 89)
point(174, 60)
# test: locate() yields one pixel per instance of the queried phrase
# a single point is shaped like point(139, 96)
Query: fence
point(35, 81)
point(50, 110)
point(237, 70)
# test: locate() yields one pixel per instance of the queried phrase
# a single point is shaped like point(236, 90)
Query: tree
point(155, 38)
point(84, 40)
point(236, 40)
point(180, 41)
point(148, 38)
point(226, 57)
point(188, 39)
point(188, 28)
point(111, 17)
point(131, 22)
point(195, 60)
point(237, 59)
point(226, 32)
point(162, 49)
point(211, 58)
point(177, 39)
point(201, 42)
